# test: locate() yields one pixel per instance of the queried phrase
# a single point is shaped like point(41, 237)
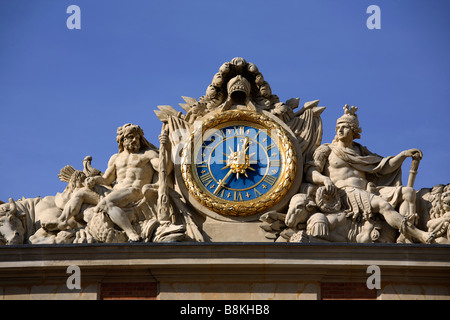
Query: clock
point(239, 163)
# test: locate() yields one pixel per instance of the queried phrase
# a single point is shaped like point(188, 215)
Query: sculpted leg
point(119, 217)
point(112, 204)
point(73, 206)
point(397, 221)
point(408, 206)
point(408, 209)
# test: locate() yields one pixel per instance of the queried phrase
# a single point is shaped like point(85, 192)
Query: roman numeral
point(257, 193)
point(274, 163)
point(206, 179)
point(270, 179)
point(202, 164)
point(220, 134)
point(239, 130)
point(238, 196)
point(270, 147)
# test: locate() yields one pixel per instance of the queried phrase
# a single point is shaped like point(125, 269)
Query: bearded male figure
point(365, 181)
point(130, 172)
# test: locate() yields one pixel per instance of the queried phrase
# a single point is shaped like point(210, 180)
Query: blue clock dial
point(238, 162)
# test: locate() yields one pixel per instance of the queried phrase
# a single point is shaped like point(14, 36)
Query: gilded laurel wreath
point(243, 208)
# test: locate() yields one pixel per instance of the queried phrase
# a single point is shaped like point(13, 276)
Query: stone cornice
point(227, 261)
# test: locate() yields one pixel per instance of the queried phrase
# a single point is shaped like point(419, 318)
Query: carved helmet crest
point(350, 117)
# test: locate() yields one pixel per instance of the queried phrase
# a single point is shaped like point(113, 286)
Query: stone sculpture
point(435, 206)
point(356, 193)
point(337, 192)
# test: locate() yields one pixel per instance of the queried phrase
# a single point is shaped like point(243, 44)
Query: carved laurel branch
point(245, 208)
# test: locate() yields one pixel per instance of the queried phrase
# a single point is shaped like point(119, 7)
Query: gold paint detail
point(241, 208)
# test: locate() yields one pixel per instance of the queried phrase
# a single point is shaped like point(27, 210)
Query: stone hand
point(329, 186)
point(90, 182)
point(164, 137)
point(416, 154)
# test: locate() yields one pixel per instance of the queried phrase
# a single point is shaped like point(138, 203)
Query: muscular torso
point(133, 170)
point(343, 174)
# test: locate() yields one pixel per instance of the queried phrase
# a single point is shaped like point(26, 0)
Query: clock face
point(239, 163)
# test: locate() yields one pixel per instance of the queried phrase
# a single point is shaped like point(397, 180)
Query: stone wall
point(224, 271)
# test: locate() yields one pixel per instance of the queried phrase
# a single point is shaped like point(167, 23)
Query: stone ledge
point(226, 262)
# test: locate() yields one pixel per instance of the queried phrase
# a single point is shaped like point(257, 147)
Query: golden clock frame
point(286, 186)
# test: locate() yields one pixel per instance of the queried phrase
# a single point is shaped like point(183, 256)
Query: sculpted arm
point(108, 177)
point(395, 162)
point(155, 157)
point(155, 161)
point(315, 177)
point(315, 168)
point(169, 164)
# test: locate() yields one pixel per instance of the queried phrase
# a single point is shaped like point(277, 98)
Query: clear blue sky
point(63, 93)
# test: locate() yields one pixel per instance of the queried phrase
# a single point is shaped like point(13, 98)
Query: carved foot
point(133, 237)
point(402, 239)
point(50, 226)
point(408, 230)
point(59, 225)
point(431, 238)
point(168, 232)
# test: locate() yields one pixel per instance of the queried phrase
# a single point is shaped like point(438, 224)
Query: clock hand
point(222, 182)
point(245, 146)
point(242, 158)
point(238, 162)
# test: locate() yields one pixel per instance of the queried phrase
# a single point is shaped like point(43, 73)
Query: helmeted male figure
point(367, 182)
